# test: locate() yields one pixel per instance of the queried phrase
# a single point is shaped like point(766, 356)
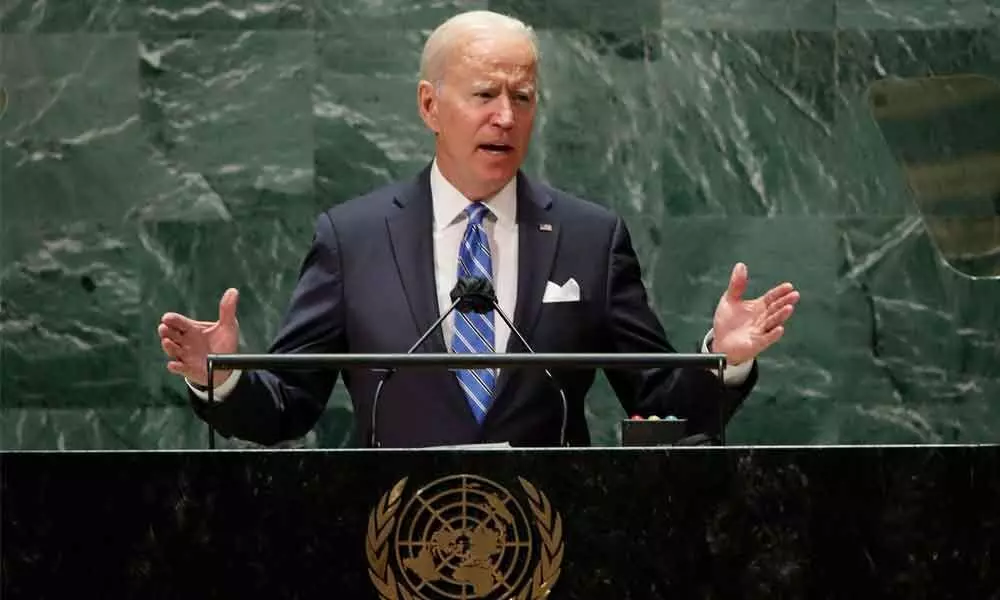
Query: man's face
point(482, 112)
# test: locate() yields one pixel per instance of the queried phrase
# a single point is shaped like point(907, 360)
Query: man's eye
point(485, 94)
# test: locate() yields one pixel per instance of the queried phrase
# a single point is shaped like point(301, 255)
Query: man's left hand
point(745, 328)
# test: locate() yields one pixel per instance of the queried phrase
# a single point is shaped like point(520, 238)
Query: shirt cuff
point(732, 375)
point(221, 391)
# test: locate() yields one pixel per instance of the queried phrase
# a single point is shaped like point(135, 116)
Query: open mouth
point(498, 149)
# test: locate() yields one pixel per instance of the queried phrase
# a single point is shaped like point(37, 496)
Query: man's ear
point(427, 104)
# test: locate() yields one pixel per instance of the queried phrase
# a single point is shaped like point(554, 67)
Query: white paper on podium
point(489, 446)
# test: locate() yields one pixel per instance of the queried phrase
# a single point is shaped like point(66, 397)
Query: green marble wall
point(155, 152)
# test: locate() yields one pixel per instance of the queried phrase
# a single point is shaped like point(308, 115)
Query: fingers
point(177, 368)
point(789, 299)
point(737, 282)
point(172, 349)
point(172, 342)
point(170, 333)
point(227, 307)
point(772, 336)
point(197, 376)
point(182, 361)
point(179, 322)
point(778, 292)
point(178, 350)
point(180, 338)
point(777, 319)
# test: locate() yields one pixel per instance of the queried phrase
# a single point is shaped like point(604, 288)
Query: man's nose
point(504, 116)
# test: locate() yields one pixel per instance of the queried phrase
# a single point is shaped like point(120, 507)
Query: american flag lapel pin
point(544, 227)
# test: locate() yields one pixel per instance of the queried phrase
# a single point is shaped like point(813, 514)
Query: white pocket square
point(567, 292)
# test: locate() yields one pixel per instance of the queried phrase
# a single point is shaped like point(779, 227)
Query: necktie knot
point(477, 211)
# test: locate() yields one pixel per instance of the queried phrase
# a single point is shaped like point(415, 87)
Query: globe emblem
point(464, 537)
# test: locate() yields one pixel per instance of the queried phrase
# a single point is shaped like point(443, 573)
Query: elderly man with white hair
point(381, 266)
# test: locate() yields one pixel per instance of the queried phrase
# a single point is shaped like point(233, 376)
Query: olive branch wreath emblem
point(383, 519)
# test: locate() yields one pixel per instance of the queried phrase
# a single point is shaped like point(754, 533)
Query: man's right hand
point(188, 343)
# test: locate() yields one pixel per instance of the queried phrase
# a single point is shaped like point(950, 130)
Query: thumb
point(227, 307)
point(737, 282)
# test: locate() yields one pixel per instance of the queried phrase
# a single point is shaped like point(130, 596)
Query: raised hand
point(188, 343)
point(745, 328)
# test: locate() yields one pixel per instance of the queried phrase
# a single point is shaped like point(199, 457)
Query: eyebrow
point(481, 85)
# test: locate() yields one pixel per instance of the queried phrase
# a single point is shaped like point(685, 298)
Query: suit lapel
point(411, 231)
point(538, 238)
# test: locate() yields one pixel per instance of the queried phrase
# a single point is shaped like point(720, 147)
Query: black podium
point(702, 522)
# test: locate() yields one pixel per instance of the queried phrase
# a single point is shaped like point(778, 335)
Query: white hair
point(459, 29)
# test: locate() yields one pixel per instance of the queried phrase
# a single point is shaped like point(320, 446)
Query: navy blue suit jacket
point(367, 286)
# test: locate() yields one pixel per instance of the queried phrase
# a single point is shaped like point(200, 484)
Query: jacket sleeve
point(268, 407)
point(691, 393)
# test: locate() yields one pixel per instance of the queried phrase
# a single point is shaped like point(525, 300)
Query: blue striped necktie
point(474, 332)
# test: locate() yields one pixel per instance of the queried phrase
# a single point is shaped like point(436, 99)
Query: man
point(381, 266)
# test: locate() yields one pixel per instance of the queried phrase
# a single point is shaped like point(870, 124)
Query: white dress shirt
point(450, 222)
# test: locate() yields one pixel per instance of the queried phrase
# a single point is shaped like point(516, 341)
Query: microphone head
point(476, 294)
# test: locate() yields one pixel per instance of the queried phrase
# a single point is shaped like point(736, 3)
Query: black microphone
point(476, 294)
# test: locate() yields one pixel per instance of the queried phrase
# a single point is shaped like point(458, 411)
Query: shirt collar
point(449, 203)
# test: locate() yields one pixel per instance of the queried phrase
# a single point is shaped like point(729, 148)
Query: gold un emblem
point(464, 537)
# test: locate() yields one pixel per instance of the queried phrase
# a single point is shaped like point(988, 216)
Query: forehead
point(508, 57)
